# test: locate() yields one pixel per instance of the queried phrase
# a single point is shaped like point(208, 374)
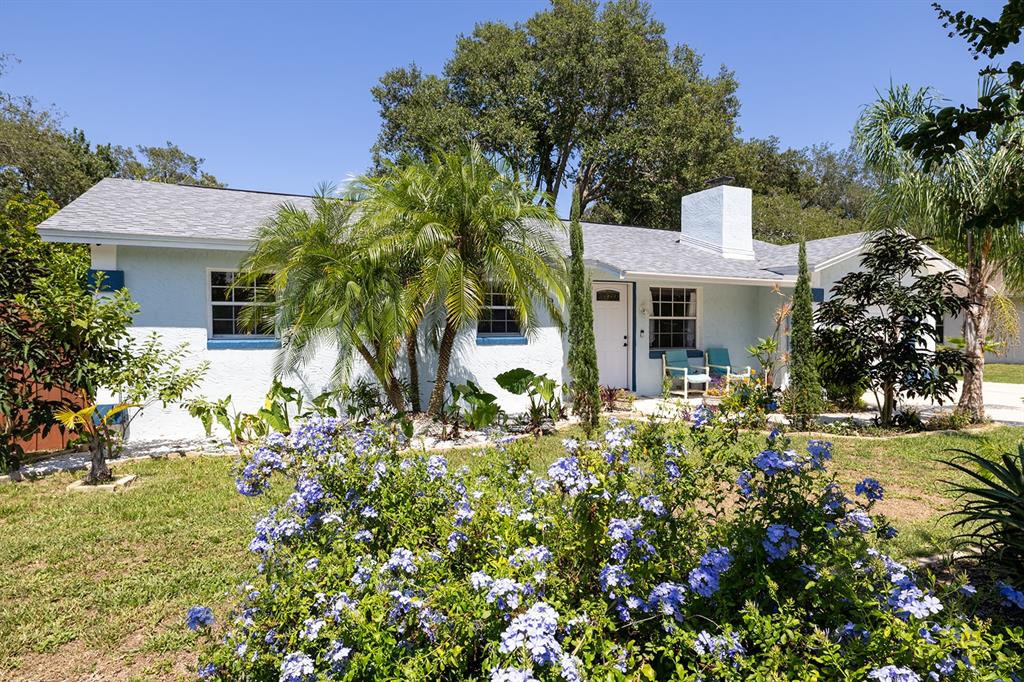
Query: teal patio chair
point(687, 366)
point(721, 367)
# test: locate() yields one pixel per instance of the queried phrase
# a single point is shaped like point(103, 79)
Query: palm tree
point(957, 204)
point(327, 292)
point(467, 227)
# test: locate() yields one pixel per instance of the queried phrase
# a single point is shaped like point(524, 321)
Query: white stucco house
point(709, 284)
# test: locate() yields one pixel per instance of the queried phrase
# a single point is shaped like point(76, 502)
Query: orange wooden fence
point(56, 439)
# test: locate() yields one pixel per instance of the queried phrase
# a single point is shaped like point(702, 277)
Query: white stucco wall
point(170, 287)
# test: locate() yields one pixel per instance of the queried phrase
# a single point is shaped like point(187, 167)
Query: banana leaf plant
point(96, 428)
point(990, 513)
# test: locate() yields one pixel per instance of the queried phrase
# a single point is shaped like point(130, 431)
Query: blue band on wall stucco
point(655, 354)
point(242, 344)
point(501, 340)
point(112, 279)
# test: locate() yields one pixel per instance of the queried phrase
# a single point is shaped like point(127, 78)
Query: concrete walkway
point(1004, 404)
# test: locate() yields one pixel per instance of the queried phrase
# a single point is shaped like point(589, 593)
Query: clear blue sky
point(276, 96)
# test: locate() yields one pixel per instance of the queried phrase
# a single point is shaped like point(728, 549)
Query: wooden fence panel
point(56, 439)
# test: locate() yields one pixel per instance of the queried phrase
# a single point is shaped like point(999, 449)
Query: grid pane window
point(673, 318)
point(497, 317)
point(229, 302)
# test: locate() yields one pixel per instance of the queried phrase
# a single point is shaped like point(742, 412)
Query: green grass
point(1004, 373)
point(96, 585)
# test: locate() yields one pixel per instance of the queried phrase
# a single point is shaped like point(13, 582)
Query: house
point(708, 284)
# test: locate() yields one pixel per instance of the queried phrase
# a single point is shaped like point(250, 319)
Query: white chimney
point(719, 218)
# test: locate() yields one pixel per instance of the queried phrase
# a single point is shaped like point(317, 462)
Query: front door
point(611, 334)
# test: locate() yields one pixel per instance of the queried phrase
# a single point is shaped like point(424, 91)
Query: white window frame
point(490, 335)
point(697, 305)
point(209, 309)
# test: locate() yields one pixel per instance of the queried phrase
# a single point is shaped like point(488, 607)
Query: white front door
point(611, 333)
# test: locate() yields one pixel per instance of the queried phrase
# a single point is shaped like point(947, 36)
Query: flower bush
point(641, 556)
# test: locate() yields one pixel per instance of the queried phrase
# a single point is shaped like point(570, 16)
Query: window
point(227, 305)
point(607, 295)
point(673, 318)
point(497, 317)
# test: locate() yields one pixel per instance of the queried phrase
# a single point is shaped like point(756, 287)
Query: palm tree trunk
point(976, 318)
point(99, 472)
point(411, 348)
point(444, 357)
point(385, 378)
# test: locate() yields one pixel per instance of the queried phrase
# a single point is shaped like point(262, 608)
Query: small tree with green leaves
point(803, 399)
point(883, 315)
point(586, 393)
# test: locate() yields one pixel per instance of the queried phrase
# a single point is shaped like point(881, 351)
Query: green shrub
point(641, 556)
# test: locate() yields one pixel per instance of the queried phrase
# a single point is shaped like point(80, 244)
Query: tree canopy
point(594, 96)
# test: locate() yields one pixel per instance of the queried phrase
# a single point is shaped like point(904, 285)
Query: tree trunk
point(444, 356)
point(386, 380)
point(411, 348)
point(888, 406)
point(976, 318)
point(99, 472)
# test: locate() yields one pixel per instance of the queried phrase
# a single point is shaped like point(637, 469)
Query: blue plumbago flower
point(199, 617)
point(308, 493)
point(672, 469)
point(363, 536)
point(891, 673)
point(401, 560)
point(820, 452)
point(668, 598)
point(571, 445)
point(297, 667)
point(944, 667)
point(969, 590)
point(623, 530)
point(870, 488)
point(570, 667)
point(463, 513)
point(337, 656)
point(535, 632)
point(704, 579)
point(505, 593)
point(315, 435)
point(337, 606)
point(311, 564)
point(1011, 596)
point(701, 416)
point(254, 478)
point(480, 580)
point(503, 508)
point(512, 675)
point(455, 539)
point(566, 472)
point(773, 462)
point(779, 541)
point(437, 467)
point(613, 576)
point(852, 631)
point(524, 555)
point(368, 512)
point(722, 647)
point(207, 672)
point(908, 599)
point(311, 628)
point(859, 519)
point(364, 570)
point(810, 570)
point(743, 483)
point(651, 503)
point(833, 500)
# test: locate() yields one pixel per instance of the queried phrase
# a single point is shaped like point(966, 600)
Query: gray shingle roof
point(136, 212)
point(124, 209)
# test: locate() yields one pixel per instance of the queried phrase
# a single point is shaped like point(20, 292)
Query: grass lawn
point(1004, 374)
point(95, 586)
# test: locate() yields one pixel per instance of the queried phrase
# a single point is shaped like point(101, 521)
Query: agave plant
point(990, 516)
